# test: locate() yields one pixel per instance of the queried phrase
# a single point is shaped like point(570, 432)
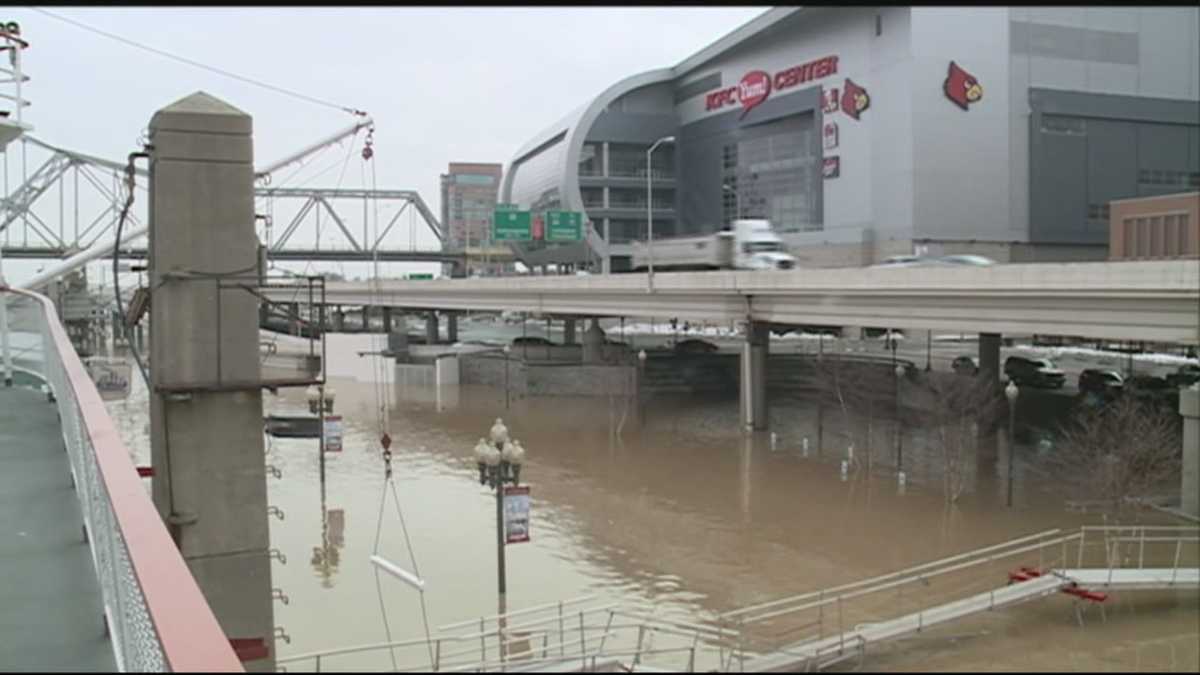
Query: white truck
point(745, 245)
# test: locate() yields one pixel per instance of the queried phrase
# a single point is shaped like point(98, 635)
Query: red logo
point(961, 87)
point(829, 100)
point(757, 85)
point(854, 99)
point(754, 88)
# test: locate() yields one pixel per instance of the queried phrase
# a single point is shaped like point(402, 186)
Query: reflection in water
point(679, 508)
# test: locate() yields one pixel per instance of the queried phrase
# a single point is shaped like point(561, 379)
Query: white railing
point(156, 615)
point(573, 635)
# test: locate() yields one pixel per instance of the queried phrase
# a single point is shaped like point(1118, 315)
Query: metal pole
point(650, 219)
point(506, 379)
point(1012, 415)
point(928, 350)
point(499, 486)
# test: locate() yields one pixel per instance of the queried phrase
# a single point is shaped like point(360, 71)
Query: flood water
point(679, 510)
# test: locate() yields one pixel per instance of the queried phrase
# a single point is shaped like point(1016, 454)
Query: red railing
point(184, 630)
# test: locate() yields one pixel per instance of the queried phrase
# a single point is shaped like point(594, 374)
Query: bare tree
point(862, 391)
point(1117, 451)
point(955, 410)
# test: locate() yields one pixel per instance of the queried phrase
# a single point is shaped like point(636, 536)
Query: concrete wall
point(1155, 227)
point(534, 379)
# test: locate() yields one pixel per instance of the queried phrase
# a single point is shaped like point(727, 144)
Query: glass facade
point(628, 160)
point(772, 172)
point(536, 180)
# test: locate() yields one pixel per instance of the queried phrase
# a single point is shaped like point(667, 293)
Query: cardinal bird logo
point(961, 87)
point(854, 99)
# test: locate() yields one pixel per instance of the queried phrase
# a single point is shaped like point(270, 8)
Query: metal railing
point(156, 615)
point(566, 635)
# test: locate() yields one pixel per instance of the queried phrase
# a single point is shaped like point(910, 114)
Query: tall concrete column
point(206, 437)
point(989, 356)
point(452, 327)
point(387, 319)
point(366, 318)
point(1189, 407)
point(339, 319)
point(593, 343)
point(569, 332)
point(753, 379)
point(431, 327)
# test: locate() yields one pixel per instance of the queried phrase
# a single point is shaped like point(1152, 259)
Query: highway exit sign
point(508, 225)
point(564, 226)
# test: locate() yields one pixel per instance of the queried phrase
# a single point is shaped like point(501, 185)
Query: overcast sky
point(443, 84)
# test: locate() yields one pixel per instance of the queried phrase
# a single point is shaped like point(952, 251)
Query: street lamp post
point(507, 351)
point(499, 462)
point(899, 371)
point(1010, 392)
point(641, 370)
point(737, 199)
point(650, 208)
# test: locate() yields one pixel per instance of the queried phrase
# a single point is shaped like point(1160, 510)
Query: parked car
point(1034, 372)
point(965, 365)
point(932, 261)
point(1187, 375)
point(531, 341)
point(1095, 380)
point(695, 346)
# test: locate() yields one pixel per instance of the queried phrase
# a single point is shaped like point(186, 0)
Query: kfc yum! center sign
point(756, 86)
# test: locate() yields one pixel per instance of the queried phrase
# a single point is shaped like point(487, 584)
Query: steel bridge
point(88, 192)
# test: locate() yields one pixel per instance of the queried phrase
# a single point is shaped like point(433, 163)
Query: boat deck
point(51, 616)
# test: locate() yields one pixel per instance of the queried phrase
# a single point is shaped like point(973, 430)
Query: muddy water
point(679, 509)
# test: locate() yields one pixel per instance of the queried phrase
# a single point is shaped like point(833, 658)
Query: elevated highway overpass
point(1145, 300)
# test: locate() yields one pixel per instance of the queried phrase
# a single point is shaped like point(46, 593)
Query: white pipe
point(299, 155)
point(82, 258)
point(403, 575)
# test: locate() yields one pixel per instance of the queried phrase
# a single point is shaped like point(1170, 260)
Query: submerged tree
point(862, 391)
point(954, 410)
point(1121, 450)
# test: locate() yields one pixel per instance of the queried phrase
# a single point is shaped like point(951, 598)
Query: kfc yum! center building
point(867, 132)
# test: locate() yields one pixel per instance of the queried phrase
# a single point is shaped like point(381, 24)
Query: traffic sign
point(564, 226)
point(507, 207)
point(420, 276)
point(511, 225)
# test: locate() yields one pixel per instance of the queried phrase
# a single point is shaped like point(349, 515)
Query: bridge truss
point(89, 192)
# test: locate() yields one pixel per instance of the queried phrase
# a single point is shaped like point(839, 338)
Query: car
point(1099, 381)
point(1187, 375)
point(965, 365)
point(695, 346)
point(957, 260)
point(1034, 372)
point(966, 259)
point(531, 341)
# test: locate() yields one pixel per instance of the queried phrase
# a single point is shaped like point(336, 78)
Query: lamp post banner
point(333, 433)
point(516, 514)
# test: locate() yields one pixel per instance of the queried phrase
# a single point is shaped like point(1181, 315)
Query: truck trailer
point(747, 244)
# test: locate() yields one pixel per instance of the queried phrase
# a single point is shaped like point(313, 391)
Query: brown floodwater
point(679, 509)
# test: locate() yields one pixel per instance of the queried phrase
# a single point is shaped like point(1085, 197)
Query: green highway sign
point(564, 226)
point(511, 225)
point(507, 207)
point(420, 276)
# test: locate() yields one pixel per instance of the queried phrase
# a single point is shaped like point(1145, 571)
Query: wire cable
point(197, 64)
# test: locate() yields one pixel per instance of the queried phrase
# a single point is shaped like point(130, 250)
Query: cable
point(257, 83)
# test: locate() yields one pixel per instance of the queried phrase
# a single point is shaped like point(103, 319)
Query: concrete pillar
point(753, 379)
point(989, 356)
point(211, 489)
point(593, 343)
point(339, 320)
point(387, 319)
point(366, 318)
point(569, 332)
point(452, 327)
point(431, 327)
point(1189, 407)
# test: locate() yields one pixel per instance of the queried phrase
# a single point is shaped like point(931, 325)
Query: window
point(1062, 124)
point(773, 174)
